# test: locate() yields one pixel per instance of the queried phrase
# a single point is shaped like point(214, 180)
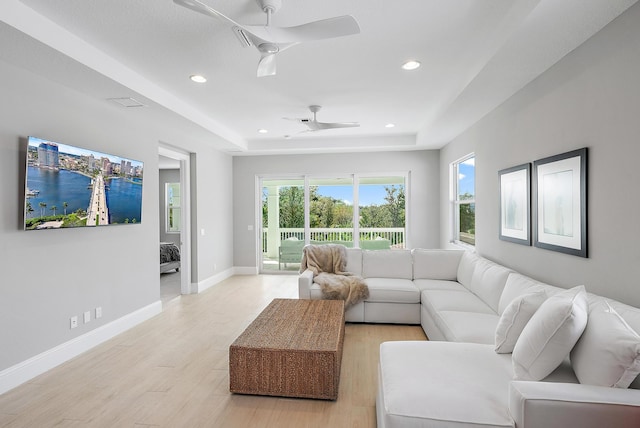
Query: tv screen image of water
point(55, 188)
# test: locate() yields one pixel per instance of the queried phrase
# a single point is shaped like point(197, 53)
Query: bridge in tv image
point(98, 212)
point(68, 186)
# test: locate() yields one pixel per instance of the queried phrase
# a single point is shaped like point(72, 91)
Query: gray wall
point(214, 212)
point(423, 191)
point(589, 99)
point(166, 176)
point(49, 276)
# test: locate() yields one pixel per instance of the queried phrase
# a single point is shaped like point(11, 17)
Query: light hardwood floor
point(172, 371)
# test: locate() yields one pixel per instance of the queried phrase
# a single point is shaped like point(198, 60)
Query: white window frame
point(168, 207)
point(456, 201)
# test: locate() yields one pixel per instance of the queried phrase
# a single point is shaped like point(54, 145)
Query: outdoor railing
point(393, 234)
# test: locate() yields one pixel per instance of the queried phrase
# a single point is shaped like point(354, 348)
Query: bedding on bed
point(169, 252)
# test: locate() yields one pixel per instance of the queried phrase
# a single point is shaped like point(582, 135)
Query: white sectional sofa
point(393, 296)
point(457, 379)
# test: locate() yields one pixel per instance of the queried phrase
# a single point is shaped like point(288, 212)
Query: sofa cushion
point(631, 315)
point(392, 290)
point(514, 318)
point(488, 281)
point(354, 261)
point(387, 264)
point(550, 334)
point(392, 313)
point(608, 352)
point(438, 284)
point(436, 264)
point(465, 268)
point(442, 384)
point(469, 327)
point(517, 285)
point(453, 300)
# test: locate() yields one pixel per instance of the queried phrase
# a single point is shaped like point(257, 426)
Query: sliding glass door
point(331, 210)
point(283, 217)
point(382, 214)
point(353, 210)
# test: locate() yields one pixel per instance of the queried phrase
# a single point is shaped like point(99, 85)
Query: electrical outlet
point(99, 312)
point(74, 321)
point(87, 317)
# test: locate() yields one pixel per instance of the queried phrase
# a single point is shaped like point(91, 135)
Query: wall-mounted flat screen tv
point(68, 186)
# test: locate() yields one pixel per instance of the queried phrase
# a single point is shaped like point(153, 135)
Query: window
point(381, 202)
point(331, 209)
point(365, 211)
point(172, 194)
point(463, 178)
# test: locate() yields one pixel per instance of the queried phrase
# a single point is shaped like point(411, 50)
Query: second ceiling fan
point(314, 125)
point(270, 40)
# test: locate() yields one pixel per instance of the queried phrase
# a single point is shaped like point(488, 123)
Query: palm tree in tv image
point(42, 205)
point(53, 208)
point(29, 209)
point(65, 205)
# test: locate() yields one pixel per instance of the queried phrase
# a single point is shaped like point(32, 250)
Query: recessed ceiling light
point(389, 125)
point(412, 64)
point(262, 131)
point(198, 78)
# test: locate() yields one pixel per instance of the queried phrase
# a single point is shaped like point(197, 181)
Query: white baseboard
point(245, 270)
point(34, 366)
point(213, 280)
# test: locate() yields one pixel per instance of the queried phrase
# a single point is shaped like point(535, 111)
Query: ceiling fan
point(314, 125)
point(270, 40)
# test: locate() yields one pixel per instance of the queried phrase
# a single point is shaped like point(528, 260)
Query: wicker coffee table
point(292, 349)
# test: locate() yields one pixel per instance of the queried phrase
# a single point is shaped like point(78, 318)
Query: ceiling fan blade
point(324, 125)
point(267, 65)
point(317, 30)
point(205, 10)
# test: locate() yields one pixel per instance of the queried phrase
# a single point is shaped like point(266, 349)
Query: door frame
point(185, 226)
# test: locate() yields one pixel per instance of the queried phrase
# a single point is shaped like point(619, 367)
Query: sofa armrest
point(305, 280)
point(550, 405)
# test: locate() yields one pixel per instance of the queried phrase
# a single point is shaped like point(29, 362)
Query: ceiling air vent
point(127, 102)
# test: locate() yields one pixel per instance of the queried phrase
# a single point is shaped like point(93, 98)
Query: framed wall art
point(560, 202)
point(515, 203)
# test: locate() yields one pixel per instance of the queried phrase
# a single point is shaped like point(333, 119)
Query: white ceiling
point(474, 54)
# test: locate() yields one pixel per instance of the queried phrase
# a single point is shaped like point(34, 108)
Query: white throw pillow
point(514, 318)
point(550, 334)
point(608, 353)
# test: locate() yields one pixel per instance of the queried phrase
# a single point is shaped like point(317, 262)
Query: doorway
point(175, 220)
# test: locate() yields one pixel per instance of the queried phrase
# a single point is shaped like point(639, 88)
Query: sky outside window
point(466, 177)
point(368, 194)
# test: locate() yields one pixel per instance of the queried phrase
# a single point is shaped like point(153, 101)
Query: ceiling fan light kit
point(271, 40)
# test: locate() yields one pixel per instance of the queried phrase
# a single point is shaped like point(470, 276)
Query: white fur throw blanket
point(328, 264)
